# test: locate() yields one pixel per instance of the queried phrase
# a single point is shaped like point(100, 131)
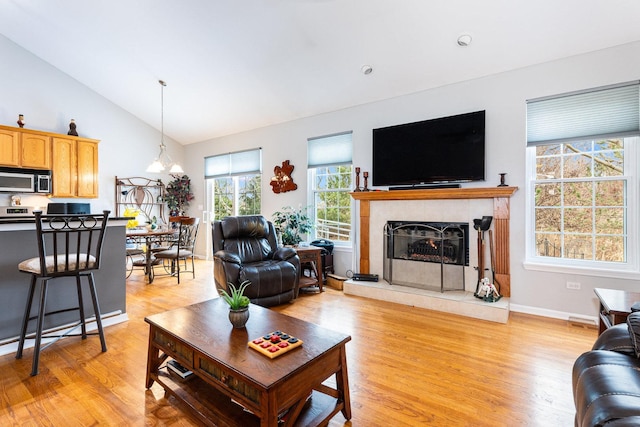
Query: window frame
point(236, 192)
point(234, 165)
point(330, 151)
point(629, 269)
point(312, 175)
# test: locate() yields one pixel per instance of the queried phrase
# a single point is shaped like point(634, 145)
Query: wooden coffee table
point(235, 385)
point(615, 306)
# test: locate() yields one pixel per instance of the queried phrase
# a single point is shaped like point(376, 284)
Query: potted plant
point(178, 194)
point(291, 223)
point(238, 303)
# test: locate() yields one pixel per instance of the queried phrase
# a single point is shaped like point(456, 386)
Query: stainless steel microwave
point(15, 180)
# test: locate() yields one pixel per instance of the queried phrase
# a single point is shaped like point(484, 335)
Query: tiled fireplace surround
point(437, 205)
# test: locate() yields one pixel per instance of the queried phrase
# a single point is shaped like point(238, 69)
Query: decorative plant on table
point(238, 303)
point(132, 213)
point(178, 194)
point(152, 222)
point(291, 223)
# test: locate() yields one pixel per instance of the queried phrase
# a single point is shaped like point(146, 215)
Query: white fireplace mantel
point(500, 196)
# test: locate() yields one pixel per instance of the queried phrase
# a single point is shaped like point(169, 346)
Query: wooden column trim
point(501, 220)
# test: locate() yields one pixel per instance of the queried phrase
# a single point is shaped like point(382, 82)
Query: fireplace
point(428, 255)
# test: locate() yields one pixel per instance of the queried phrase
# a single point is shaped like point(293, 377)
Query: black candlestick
point(502, 184)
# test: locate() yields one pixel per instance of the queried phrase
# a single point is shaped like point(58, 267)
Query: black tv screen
point(442, 150)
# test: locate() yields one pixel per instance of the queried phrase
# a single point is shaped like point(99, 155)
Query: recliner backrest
point(252, 237)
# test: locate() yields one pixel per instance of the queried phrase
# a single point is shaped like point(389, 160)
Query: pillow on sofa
point(633, 321)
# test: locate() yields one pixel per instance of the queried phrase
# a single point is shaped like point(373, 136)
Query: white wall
point(503, 96)
point(49, 99)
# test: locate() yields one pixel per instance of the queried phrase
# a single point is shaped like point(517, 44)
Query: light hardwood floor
point(407, 366)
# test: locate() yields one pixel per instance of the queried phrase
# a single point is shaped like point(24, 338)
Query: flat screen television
point(442, 150)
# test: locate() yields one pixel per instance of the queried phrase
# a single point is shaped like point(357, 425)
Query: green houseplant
point(178, 194)
point(238, 303)
point(291, 223)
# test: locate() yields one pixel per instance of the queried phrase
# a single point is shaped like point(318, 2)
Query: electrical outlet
point(573, 285)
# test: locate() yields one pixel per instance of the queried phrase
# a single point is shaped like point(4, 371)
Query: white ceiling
point(235, 65)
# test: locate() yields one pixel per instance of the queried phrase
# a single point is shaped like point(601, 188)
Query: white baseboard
point(10, 345)
point(562, 315)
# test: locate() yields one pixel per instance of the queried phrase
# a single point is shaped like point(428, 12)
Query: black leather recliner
point(245, 248)
point(606, 380)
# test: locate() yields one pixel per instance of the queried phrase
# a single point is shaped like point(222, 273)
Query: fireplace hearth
point(426, 255)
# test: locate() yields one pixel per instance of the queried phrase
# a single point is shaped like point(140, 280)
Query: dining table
point(153, 239)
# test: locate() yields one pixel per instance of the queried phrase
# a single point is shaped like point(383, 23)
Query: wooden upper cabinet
point(9, 148)
point(75, 167)
point(72, 160)
point(87, 152)
point(64, 167)
point(35, 151)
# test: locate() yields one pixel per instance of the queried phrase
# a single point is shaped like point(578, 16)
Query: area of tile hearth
point(459, 302)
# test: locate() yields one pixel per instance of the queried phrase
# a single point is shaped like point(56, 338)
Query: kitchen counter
point(18, 238)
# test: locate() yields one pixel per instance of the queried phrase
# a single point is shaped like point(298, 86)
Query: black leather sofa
point(606, 380)
point(245, 248)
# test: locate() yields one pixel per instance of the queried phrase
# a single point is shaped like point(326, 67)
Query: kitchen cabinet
point(75, 167)
point(65, 167)
point(87, 173)
point(73, 160)
point(9, 148)
point(24, 149)
point(35, 150)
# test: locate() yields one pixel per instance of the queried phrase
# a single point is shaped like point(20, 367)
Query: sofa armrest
point(283, 254)
point(228, 257)
point(616, 338)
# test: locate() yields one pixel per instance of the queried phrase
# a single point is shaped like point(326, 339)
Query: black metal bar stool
point(68, 246)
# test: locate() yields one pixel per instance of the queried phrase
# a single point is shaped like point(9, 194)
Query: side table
point(615, 306)
point(313, 255)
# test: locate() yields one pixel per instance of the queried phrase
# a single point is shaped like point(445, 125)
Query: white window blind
point(231, 164)
point(610, 111)
point(330, 150)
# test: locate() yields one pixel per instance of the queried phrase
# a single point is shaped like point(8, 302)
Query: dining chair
point(69, 246)
point(182, 248)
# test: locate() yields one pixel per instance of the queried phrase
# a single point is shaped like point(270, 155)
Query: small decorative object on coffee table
point(275, 343)
point(238, 304)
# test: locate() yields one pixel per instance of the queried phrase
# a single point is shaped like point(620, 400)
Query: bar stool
point(68, 246)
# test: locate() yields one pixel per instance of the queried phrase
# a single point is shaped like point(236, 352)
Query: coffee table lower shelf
point(213, 408)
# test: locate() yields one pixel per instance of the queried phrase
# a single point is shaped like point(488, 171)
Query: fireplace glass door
point(426, 255)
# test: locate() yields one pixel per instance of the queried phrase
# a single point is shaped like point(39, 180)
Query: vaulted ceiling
point(235, 65)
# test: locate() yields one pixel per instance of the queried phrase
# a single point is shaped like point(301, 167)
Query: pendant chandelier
point(163, 161)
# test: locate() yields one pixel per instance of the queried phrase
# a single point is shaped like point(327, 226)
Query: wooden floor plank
point(407, 366)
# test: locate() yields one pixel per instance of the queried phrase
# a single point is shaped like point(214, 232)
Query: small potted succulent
point(238, 303)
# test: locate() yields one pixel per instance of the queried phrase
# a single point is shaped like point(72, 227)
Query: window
point(234, 183)
point(330, 178)
point(583, 157)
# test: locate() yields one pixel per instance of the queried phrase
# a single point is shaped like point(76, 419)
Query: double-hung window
point(234, 183)
point(582, 156)
point(330, 178)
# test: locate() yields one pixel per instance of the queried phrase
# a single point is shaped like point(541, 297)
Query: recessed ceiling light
point(366, 69)
point(464, 40)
